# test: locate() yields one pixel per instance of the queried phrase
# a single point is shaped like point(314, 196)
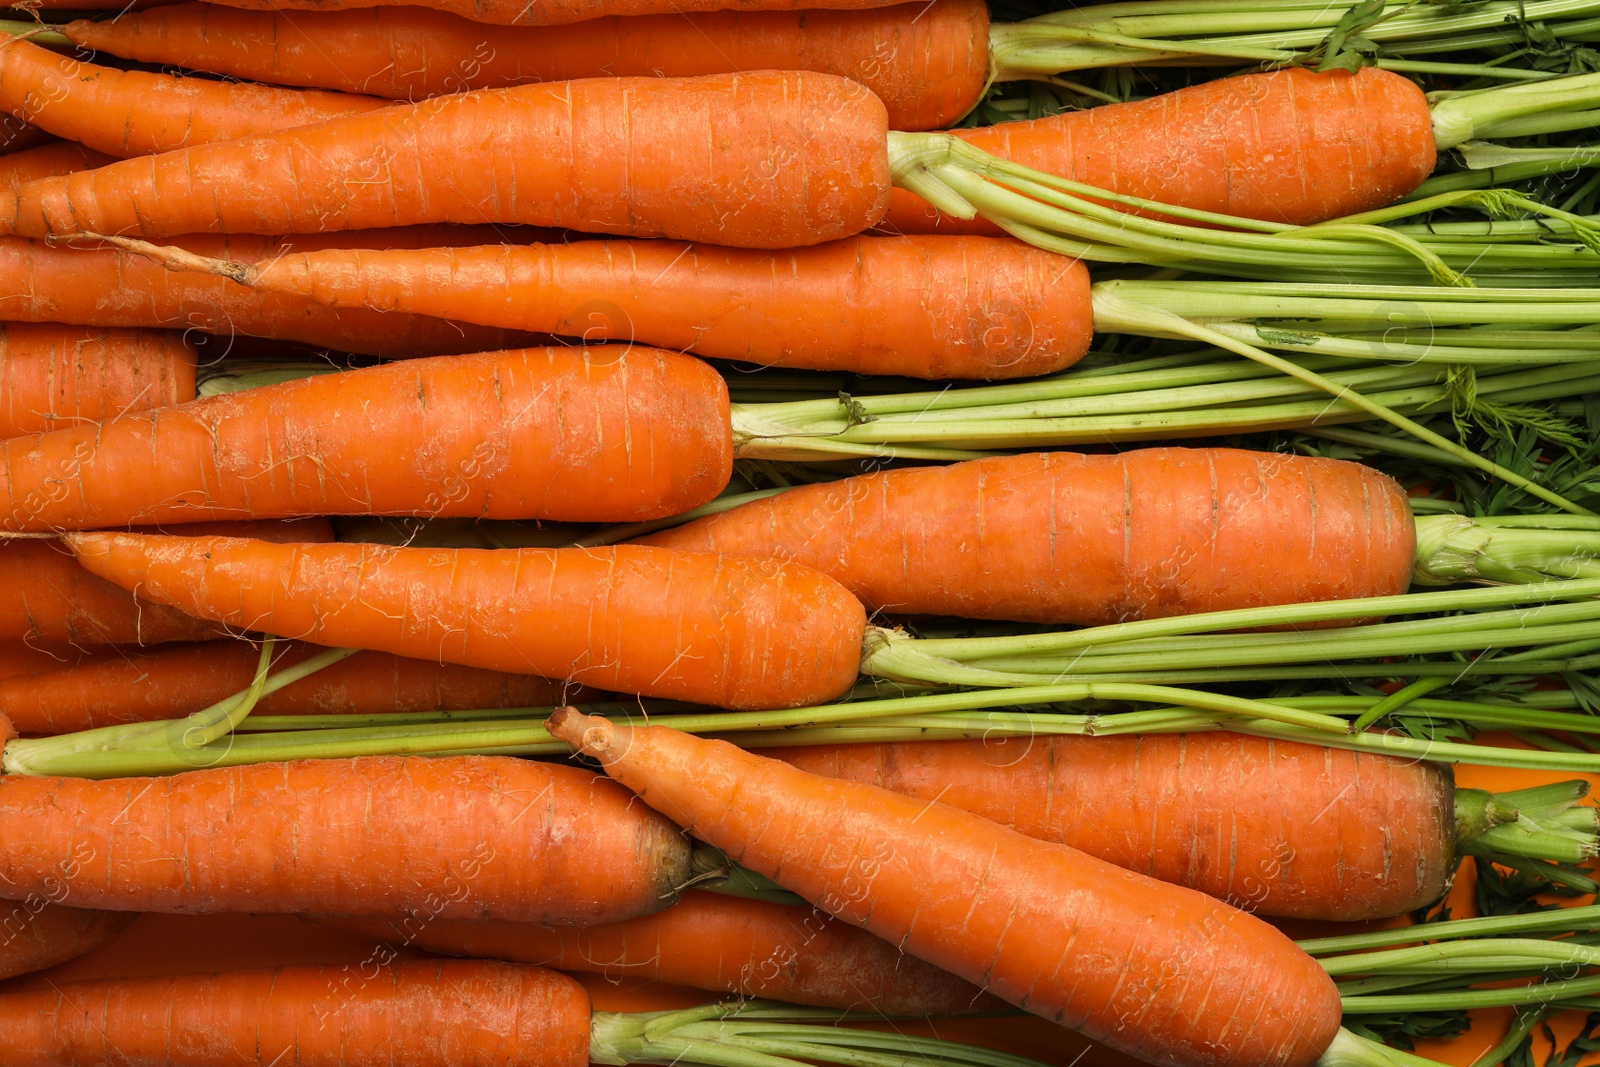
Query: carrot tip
point(588, 734)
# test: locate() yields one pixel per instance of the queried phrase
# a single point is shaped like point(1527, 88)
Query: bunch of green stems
point(1541, 964)
point(1242, 33)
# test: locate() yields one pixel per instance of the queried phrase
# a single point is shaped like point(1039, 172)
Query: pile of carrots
point(387, 539)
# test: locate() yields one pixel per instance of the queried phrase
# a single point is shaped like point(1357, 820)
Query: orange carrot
point(100, 5)
point(19, 660)
point(1259, 146)
point(136, 113)
point(1064, 537)
point(927, 62)
point(477, 837)
point(169, 683)
point(560, 12)
point(730, 632)
point(422, 1013)
point(52, 376)
point(927, 307)
point(1160, 971)
point(46, 598)
point(794, 159)
point(606, 435)
point(1274, 827)
point(35, 933)
point(18, 136)
point(750, 948)
point(47, 161)
point(105, 287)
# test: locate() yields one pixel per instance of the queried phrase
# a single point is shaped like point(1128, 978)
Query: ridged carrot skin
point(172, 682)
point(135, 113)
point(421, 1013)
point(46, 598)
point(926, 62)
point(1273, 827)
point(106, 287)
point(47, 161)
point(1158, 971)
point(53, 376)
point(35, 933)
point(603, 435)
point(465, 837)
point(714, 630)
point(1288, 146)
point(770, 159)
point(1064, 537)
point(924, 307)
point(750, 948)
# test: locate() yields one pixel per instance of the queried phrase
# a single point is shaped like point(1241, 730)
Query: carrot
point(19, 660)
point(559, 433)
point(52, 376)
point(1259, 146)
point(17, 135)
point(795, 159)
point(1162, 972)
point(726, 944)
point(136, 113)
point(47, 161)
point(927, 62)
point(1275, 827)
point(36, 933)
point(1068, 537)
point(709, 629)
point(964, 307)
point(169, 683)
point(426, 1013)
point(422, 1013)
point(479, 837)
point(45, 597)
point(105, 287)
point(560, 12)
point(100, 5)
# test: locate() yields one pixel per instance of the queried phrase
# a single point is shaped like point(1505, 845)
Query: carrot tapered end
point(589, 735)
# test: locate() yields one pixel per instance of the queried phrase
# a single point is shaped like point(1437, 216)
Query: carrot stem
point(235, 376)
point(189, 742)
point(1072, 219)
point(755, 1033)
point(1563, 920)
point(1276, 34)
point(1227, 396)
point(1508, 953)
point(38, 33)
point(1352, 1050)
point(1504, 111)
point(1522, 1024)
point(1115, 313)
point(1492, 164)
point(1461, 600)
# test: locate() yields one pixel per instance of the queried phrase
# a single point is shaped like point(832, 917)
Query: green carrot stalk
point(1283, 32)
